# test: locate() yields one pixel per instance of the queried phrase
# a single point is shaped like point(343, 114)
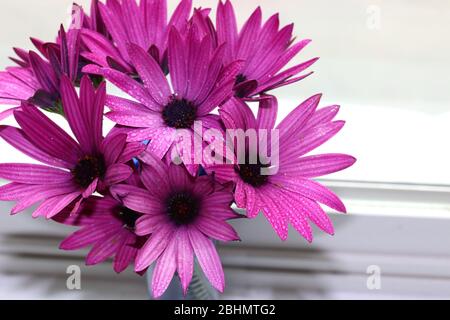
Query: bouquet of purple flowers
point(159, 189)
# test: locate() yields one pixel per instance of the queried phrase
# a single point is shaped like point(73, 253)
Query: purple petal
point(299, 117)
point(131, 87)
point(185, 258)
point(308, 141)
point(300, 224)
point(148, 224)
point(94, 210)
point(214, 69)
point(41, 192)
point(95, 110)
point(23, 76)
point(223, 173)
point(90, 189)
point(154, 179)
point(33, 174)
point(112, 18)
point(134, 23)
point(253, 205)
point(16, 138)
point(119, 104)
point(136, 199)
point(151, 74)
point(285, 77)
point(47, 136)
point(227, 30)
point(154, 247)
point(161, 144)
point(43, 72)
point(310, 189)
point(178, 63)
point(217, 97)
point(239, 194)
point(282, 83)
point(221, 198)
point(126, 254)
point(101, 48)
point(267, 55)
point(268, 34)
point(8, 112)
point(14, 191)
point(112, 147)
point(197, 69)
point(131, 150)
point(319, 165)
point(294, 211)
point(105, 248)
point(137, 119)
point(141, 134)
point(117, 173)
point(87, 236)
point(155, 162)
point(181, 14)
point(207, 258)
point(274, 215)
point(247, 40)
point(72, 110)
point(178, 176)
point(316, 214)
point(155, 13)
point(225, 214)
point(321, 117)
point(165, 269)
point(287, 56)
point(51, 207)
point(216, 229)
point(267, 113)
point(236, 114)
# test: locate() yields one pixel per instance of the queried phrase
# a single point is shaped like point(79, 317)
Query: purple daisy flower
point(265, 49)
point(200, 84)
point(37, 79)
point(74, 170)
point(182, 215)
point(286, 193)
point(108, 227)
point(144, 25)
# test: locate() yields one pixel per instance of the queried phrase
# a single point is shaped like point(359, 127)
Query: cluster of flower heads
point(123, 191)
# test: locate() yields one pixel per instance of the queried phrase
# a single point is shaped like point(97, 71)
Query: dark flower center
point(239, 79)
point(128, 217)
point(182, 208)
point(179, 113)
point(252, 173)
point(88, 169)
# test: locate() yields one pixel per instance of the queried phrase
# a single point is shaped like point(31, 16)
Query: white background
point(391, 75)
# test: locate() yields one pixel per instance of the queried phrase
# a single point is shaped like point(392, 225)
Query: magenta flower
point(200, 83)
point(265, 49)
point(108, 227)
point(37, 79)
point(182, 215)
point(74, 170)
point(286, 193)
point(144, 25)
